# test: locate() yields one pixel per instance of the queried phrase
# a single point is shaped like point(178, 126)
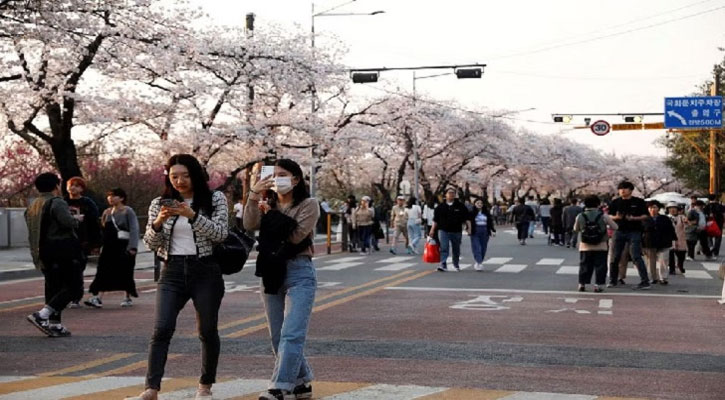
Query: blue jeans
point(635, 252)
point(532, 227)
point(365, 232)
point(288, 316)
point(455, 242)
point(479, 243)
point(414, 234)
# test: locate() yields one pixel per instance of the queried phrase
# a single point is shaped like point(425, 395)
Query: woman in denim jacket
point(183, 226)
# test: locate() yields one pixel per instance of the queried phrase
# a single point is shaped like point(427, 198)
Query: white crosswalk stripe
point(711, 266)
point(547, 396)
point(512, 268)
point(568, 270)
point(550, 261)
point(497, 261)
point(75, 389)
point(6, 379)
point(693, 274)
point(340, 266)
point(395, 267)
point(223, 390)
point(396, 259)
point(387, 392)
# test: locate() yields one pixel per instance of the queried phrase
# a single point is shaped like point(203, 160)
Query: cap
point(672, 204)
point(366, 198)
point(401, 197)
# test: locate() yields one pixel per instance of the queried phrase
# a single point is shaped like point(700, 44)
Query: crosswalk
point(118, 387)
point(509, 265)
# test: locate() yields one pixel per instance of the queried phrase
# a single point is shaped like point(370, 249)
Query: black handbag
point(234, 251)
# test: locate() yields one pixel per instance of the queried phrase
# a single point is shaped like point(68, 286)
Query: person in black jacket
point(557, 224)
point(480, 228)
point(659, 233)
point(448, 220)
point(523, 215)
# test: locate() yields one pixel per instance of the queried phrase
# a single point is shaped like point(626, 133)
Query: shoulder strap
point(44, 218)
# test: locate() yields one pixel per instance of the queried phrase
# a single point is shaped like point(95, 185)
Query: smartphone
point(267, 171)
point(168, 203)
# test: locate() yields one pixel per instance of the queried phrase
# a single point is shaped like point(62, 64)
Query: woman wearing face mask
point(286, 225)
point(183, 226)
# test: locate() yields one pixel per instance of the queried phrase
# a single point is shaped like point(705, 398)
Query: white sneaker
point(94, 302)
point(127, 302)
point(478, 267)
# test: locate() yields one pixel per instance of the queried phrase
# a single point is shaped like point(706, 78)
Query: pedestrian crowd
point(188, 221)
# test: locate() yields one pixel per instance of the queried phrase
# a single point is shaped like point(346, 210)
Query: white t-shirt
point(182, 237)
point(239, 210)
point(414, 214)
point(481, 219)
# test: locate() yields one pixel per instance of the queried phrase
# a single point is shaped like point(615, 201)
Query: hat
point(366, 198)
point(672, 204)
point(400, 197)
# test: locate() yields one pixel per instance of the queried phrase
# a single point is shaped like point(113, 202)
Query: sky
point(556, 56)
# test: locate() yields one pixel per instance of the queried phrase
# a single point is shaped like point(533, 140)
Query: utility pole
point(714, 160)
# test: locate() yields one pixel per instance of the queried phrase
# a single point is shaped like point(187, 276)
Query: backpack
point(593, 231)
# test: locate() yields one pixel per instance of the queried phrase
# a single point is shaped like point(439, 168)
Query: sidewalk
point(16, 262)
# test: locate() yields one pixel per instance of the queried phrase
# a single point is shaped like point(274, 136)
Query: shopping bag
point(711, 229)
point(431, 253)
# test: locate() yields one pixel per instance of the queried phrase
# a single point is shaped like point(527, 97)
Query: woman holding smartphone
point(183, 226)
point(288, 307)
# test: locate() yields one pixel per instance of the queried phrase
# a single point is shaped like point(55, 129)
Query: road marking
point(13, 281)
point(691, 274)
point(19, 300)
point(550, 261)
point(607, 293)
point(548, 396)
point(388, 392)
point(38, 305)
point(568, 270)
point(394, 260)
point(711, 266)
point(340, 266)
point(395, 267)
point(88, 365)
point(318, 299)
point(169, 385)
point(334, 302)
point(468, 394)
point(346, 259)
point(497, 260)
point(5, 379)
point(223, 390)
point(74, 389)
point(511, 268)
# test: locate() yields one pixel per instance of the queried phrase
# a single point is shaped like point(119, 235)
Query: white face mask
point(282, 184)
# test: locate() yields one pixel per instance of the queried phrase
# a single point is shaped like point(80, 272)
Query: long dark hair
point(202, 194)
point(299, 191)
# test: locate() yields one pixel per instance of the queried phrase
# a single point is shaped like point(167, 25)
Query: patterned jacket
point(208, 230)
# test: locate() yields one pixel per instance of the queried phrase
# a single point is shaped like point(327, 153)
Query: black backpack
point(593, 231)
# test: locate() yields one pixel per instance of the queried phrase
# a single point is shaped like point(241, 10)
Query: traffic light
point(466, 73)
point(364, 77)
point(633, 118)
point(562, 118)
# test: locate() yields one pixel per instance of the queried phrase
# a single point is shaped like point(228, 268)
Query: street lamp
point(313, 15)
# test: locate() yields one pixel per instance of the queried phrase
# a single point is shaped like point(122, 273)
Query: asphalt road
point(391, 327)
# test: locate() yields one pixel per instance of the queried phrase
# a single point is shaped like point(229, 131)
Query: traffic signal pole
point(713, 159)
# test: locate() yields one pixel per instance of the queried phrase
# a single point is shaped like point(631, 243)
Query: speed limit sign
point(601, 127)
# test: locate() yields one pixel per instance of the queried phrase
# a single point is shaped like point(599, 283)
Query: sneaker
point(94, 302)
point(582, 288)
point(612, 284)
point(690, 258)
point(598, 289)
point(276, 394)
point(203, 393)
point(363, 253)
point(457, 268)
point(664, 282)
point(58, 330)
point(392, 250)
point(478, 267)
point(643, 286)
point(303, 391)
point(148, 394)
point(127, 302)
point(682, 270)
point(42, 324)
point(442, 268)
point(621, 282)
point(654, 281)
point(74, 304)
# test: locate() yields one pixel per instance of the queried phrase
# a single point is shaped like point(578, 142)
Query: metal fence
point(13, 229)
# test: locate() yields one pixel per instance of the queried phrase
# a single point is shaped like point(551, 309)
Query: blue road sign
point(693, 112)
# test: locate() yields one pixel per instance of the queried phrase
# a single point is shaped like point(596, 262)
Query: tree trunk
point(66, 157)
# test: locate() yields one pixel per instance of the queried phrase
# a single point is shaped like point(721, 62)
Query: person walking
point(545, 215)
point(698, 212)
point(679, 246)
point(89, 231)
point(118, 256)
point(569, 218)
point(448, 221)
point(429, 213)
point(628, 212)
point(557, 223)
point(415, 219)
point(362, 218)
point(714, 210)
point(399, 222)
point(56, 252)
point(657, 238)
point(531, 202)
point(348, 209)
point(184, 224)
point(289, 282)
point(591, 225)
point(522, 215)
point(481, 227)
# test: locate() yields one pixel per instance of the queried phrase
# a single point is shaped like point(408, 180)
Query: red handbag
point(431, 252)
point(711, 229)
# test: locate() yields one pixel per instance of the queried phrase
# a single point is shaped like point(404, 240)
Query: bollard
point(344, 233)
point(329, 233)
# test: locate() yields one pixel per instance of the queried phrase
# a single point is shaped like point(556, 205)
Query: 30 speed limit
point(600, 128)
